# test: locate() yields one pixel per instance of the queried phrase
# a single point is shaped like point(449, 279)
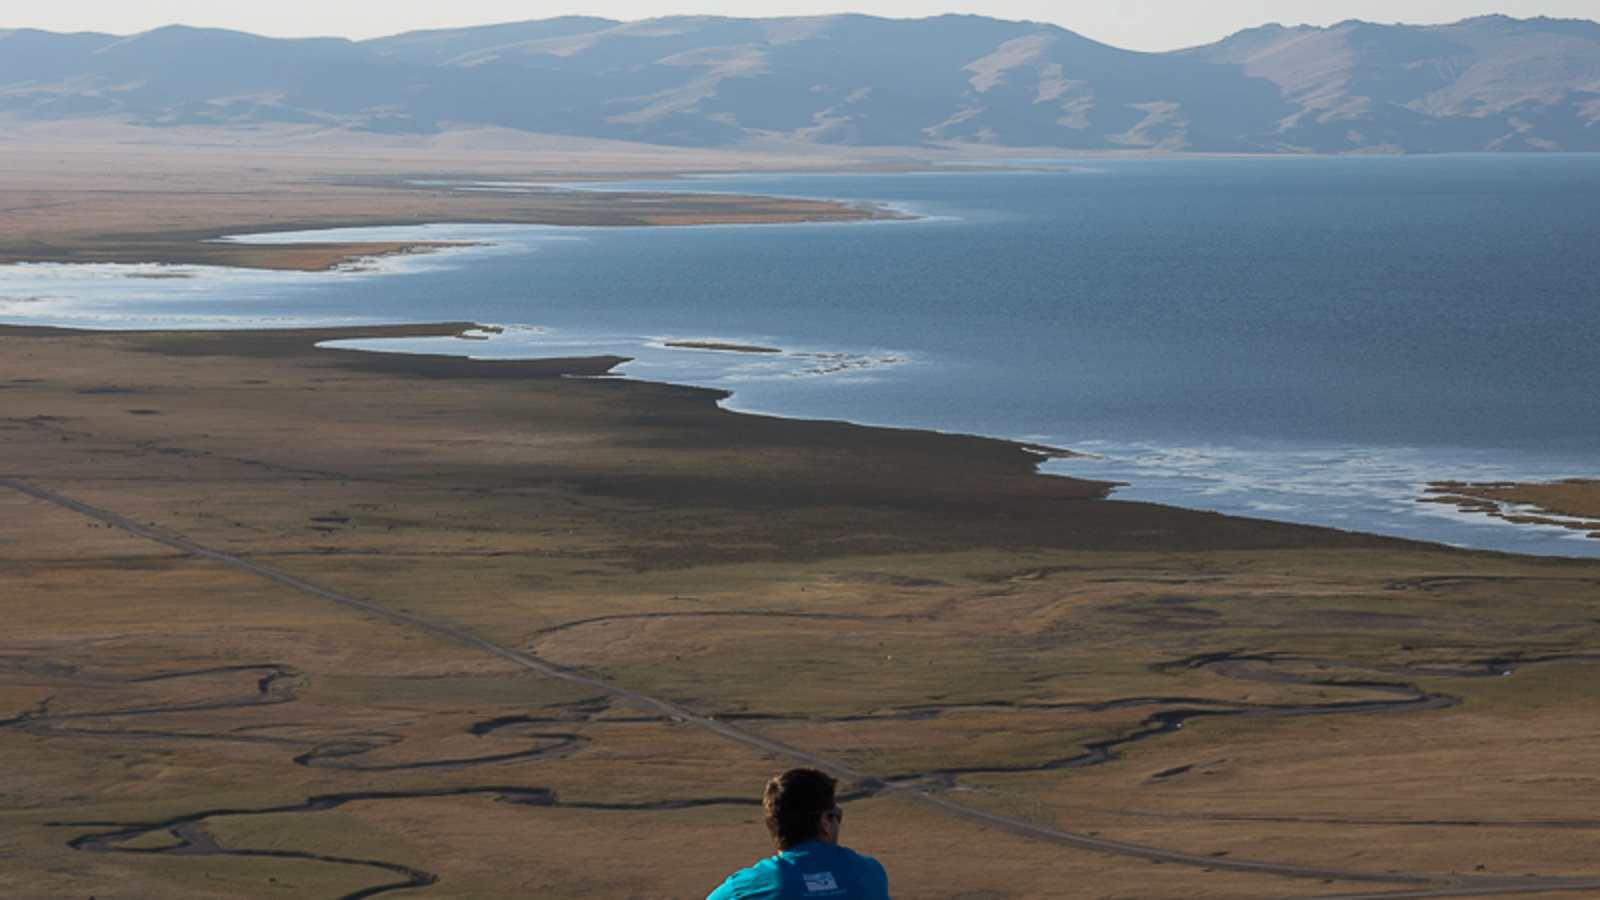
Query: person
point(804, 822)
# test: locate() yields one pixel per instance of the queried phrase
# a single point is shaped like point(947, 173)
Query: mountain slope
point(1490, 83)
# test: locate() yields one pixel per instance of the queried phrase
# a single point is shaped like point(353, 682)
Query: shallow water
point(1306, 339)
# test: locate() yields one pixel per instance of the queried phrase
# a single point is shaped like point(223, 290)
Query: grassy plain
point(1038, 692)
point(921, 608)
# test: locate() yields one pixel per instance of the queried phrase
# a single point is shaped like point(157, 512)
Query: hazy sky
point(1134, 24)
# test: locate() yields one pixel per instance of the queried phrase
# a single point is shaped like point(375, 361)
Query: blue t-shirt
point(810, 870)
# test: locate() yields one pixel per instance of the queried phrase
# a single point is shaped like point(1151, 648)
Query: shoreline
point(309, 342)
point(333, 256)
point(983, 458)
point(1039, 455)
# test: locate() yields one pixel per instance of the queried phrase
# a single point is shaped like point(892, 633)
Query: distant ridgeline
point(1491, 83)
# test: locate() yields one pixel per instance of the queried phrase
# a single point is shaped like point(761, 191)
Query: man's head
point(800, 808)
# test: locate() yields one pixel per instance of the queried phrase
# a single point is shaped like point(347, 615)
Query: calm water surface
point(1305, 339)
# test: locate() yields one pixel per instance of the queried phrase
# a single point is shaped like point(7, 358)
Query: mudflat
point(286, 619)
point(1572, 503)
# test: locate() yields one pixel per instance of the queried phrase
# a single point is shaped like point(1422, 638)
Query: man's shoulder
point(861, 856)
point(859, 859)
point(870, 868)
point(760, 880)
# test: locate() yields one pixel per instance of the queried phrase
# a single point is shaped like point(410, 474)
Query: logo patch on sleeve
point(820, 882)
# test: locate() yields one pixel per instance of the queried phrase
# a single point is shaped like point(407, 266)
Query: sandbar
point(722, 346)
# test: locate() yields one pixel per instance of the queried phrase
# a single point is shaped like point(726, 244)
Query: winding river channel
point(1387, 690)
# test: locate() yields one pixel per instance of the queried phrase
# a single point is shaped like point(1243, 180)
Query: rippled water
point(1307, 339)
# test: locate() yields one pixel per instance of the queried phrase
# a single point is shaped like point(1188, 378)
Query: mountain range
point(1485, 84)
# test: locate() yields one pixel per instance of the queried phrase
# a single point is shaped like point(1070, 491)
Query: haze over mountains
point(1490, 83)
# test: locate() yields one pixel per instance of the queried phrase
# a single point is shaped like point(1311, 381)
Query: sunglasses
point(835, 815)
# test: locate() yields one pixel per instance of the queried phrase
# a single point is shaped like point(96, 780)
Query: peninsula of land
point(1572, 503)
point(84, 202)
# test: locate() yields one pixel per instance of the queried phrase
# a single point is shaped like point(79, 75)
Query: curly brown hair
point(795, 802)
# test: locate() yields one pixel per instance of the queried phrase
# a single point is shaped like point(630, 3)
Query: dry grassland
point(1370, 715)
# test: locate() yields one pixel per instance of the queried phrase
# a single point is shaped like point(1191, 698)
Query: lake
point(1309, 339)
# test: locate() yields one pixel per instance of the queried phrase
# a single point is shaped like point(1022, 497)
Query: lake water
point(1308, 339)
